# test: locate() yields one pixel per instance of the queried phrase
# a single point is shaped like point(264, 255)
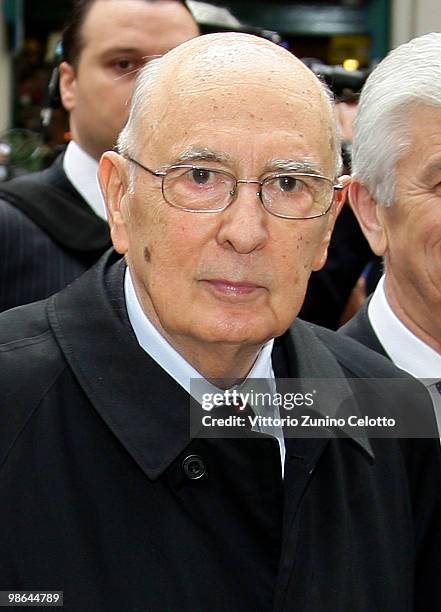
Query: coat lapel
point(143, 406)
point(360, 328)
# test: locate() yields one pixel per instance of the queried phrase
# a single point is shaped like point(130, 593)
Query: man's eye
point(201, 176)
point(288, 184)
point(125, 65)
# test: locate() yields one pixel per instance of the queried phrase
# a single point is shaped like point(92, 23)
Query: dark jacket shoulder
point(49, 235)
point(50, 200)
point(359, 359)
point(359, 328)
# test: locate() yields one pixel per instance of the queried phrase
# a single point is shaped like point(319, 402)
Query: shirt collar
point(405, 349)
point(178, 368)
point(169, 359)
point(82, 171)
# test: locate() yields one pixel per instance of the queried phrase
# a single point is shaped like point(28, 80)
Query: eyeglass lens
point(200, 189)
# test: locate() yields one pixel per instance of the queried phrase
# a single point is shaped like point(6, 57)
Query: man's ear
point(341, 195)
point(339, 200)
point(369, 216)
point(113, 177)
point(68, 83)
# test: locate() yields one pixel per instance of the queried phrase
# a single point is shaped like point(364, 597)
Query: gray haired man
point(396, 195)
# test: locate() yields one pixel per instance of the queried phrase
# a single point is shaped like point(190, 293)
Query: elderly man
point(222, 199)
point(53, 223)
point(397, 199)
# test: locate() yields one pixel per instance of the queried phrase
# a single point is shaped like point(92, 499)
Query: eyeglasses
point(290, 195)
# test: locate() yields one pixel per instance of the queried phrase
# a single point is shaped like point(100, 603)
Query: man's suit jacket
point(98, 499)
point(49, 235)
point(359, 328)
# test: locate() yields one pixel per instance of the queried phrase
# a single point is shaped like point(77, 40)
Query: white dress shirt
point(404, 348)
point(82, 171)
point(183, 372)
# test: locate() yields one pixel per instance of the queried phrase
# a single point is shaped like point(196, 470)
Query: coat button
point(194, 467)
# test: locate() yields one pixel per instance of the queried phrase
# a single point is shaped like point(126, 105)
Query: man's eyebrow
point(202, 155)
point(125, 50)
point(293, 165)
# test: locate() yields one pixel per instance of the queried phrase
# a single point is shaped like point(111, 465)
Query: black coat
point(49, 236)
point(97, 500)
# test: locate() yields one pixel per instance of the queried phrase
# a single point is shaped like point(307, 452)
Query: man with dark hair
point(221, 198)
point(53, 224)
point(75, 38)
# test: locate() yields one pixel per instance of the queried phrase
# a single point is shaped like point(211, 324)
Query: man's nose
point(244, 224)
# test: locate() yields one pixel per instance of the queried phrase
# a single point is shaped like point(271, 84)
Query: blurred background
point(340, 39)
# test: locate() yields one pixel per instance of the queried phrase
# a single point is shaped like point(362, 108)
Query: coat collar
point(315, 361)
point(143, 406)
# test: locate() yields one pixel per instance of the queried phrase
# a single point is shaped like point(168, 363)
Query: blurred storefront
point(31, 29)
point(329, 30)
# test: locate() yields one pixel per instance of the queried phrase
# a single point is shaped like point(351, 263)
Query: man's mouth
point(233, 288)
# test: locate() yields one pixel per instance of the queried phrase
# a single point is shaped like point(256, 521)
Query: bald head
point(238, 74)
point(229, 54)
point(218, 212)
